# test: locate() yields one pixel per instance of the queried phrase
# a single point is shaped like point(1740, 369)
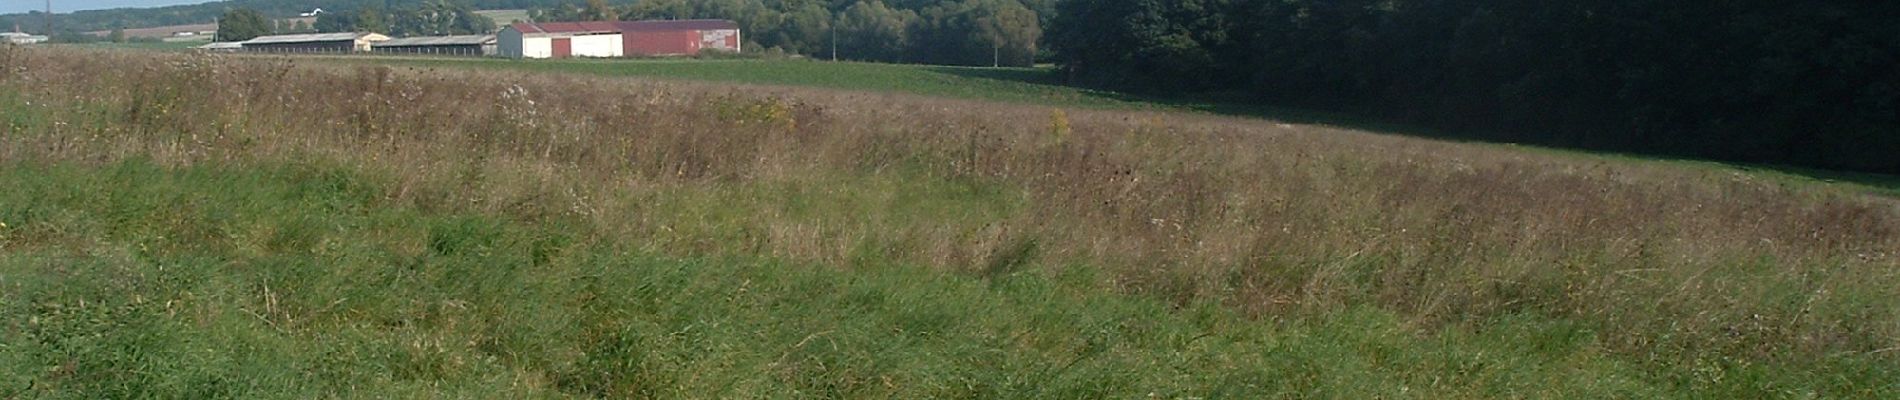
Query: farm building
point(343, 42)
point(685, 37)
point(20, 38)
point(462, 45)
point(616, 39)
point(222, 47)
point(560, 40)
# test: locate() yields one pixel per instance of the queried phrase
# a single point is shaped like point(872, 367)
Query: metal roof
point(316, 37)
point(221, 45)
point(458, 40)
point(566, 27)
point(624, 26)
point(678, 25)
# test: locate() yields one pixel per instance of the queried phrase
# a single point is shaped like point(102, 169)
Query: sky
point(66, 6)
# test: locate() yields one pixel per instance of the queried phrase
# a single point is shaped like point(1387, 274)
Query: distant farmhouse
point(222, 47)
point(616, 39)
point(20, 38)
point(342, 42)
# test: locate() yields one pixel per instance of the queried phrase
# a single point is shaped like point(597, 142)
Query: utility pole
point(49, 19)
point(834, 38)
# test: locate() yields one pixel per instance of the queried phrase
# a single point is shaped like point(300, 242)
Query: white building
point(616, 39)
point(560, 40)
point(21, 38)
point(222, 47)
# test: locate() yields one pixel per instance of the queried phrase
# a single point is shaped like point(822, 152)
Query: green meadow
point(182, 226)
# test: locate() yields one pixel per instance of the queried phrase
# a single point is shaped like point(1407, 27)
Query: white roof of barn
point(458, 40)
point(221, 45)
point(317, 37)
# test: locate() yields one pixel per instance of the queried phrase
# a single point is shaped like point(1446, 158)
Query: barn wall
point(537, 47)
point(342, 46)
point(508, 43)
point(447, 49)
point(662, 43)
point(722, 39)
point(602, 46)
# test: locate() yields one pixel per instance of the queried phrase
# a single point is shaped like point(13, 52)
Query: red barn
point(617, 39)
point(659, 38)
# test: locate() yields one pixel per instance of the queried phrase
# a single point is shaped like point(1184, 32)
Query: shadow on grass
point(1238, 104)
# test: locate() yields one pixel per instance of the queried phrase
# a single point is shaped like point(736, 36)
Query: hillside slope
point(180, 222)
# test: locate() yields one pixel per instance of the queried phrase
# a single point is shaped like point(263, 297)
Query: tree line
point(128, 18)
point(1811, 83)
point(435, 18)
point(956, 32)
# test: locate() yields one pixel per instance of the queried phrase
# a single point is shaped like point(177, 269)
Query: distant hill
point(162, 31)
point(135, 18)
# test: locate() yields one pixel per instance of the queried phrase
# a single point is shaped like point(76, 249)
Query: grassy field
point(158, 46)
point(504, 17)
point(1033, 86)
point(179, 226)
point(301, 280)
point(1014, 85)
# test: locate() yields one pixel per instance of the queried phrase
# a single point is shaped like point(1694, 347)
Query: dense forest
point(1813, 83)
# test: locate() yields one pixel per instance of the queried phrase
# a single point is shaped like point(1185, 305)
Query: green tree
point(335, 22)
point(371, 19)
point(869, 30)
point(117, 35)
point(242, 24)
point(439, 18)
point(976, 32)
point(598, 10)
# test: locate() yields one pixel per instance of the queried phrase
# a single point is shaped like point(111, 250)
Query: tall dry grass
point(1665, 260)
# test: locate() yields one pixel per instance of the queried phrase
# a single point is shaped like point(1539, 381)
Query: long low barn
point(460, 45)
point(342, 42)
point(616, 39)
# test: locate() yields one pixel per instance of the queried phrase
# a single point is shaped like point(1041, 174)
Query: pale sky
point(67, 6)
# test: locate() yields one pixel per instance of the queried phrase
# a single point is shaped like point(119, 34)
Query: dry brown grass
point(1272, 218)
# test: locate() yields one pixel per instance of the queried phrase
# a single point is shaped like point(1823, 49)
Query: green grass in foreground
point(300, 281)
